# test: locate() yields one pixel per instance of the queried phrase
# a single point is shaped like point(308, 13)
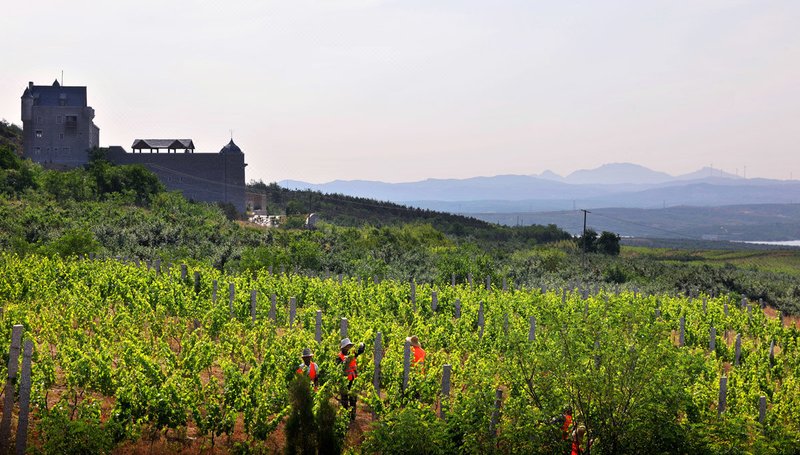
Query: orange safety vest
point(565, 427)
point(419, 356)
point(350, 369)
point(312, 370)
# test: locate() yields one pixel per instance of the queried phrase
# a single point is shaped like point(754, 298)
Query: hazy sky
point(405, 90)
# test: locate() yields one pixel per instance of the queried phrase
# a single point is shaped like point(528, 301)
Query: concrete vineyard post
point(505, 324)
point(231, 295)
point(24, 398)
point(376, 377)
point(723, 395)
point(184, 272)
point(446, 371)
point(343, 328)
point(158, 267)
point(273, 308)
point(318, 330)
point(682, 332)
point(772, 353)
point(458, 308)
point(453, 280)
point(406, 364)
point(196, 282)
point(8, 406)
point(340, 279)
point(434, 301)
point(532, 329)
point(469, 280)
point(292, 310)
point(738, 349)
point(481, 320)
point(712, 340)
point(705, 305)
point(762, 409)
point(725, 308)
point(488, 282)
point(498, 399)
point(505, 284)
point(744, 301)
point(413, 295)
point(214, 287)
point(253, 297)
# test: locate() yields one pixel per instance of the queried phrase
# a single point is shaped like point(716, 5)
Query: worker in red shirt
point(419, 353)
point(308, 367)
point(349, 368)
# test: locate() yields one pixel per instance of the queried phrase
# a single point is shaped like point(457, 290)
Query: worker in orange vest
point(308, 367)
point(348, 363)
point(419, 353)
point(565, 427)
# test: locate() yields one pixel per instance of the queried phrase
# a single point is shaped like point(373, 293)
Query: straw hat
point(345, 342)
point(307, 353)
point(414, 340)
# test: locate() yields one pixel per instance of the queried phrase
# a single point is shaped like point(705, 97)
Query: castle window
point(37, 150)
point(66, 150)
point(38, 119)
point(39, 133)
point(61, 135)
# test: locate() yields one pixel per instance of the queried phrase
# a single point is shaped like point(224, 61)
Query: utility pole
point(583, 256)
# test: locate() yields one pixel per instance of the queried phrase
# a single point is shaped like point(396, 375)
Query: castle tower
point(233, 175)
point(57, 123)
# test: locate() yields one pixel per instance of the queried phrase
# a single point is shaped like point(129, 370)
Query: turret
point(27, 104)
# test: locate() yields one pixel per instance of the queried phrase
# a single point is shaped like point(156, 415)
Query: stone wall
point(207, 177)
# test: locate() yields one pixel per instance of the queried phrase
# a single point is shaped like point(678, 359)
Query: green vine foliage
point(165, 356)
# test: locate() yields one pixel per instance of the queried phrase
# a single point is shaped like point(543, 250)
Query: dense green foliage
point(354, 211)
point(171, 356)
point(123, 211)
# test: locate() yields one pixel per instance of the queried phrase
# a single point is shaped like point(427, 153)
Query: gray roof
point(56, 95)
point(229, 148)
point(183, 144)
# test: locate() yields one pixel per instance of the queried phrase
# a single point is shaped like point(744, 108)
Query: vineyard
point(129, 356)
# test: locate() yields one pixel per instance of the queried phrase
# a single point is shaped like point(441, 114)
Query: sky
point(407, 90)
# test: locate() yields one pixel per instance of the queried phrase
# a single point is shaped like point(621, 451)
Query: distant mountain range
point(611, 185)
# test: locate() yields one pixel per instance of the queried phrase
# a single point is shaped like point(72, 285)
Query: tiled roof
point(57, 95)
point(182, 144)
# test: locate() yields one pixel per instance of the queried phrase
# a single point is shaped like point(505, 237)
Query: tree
point(588, 242)
point(608, 243)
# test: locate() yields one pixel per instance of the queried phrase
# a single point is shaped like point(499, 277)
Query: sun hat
point(307, 353)
point(345, 342)
point(414, 340)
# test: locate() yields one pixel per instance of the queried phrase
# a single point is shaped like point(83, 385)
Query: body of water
point(783, 243)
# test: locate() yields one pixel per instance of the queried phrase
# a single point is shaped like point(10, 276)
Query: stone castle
point(59, 130)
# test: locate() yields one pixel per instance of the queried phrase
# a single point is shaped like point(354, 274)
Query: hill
point(11, 136)
point(613, 185)
point(345, 210)
point(750, 222)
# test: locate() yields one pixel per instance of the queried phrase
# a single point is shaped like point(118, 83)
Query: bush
point(83, 434)
point(409, 431)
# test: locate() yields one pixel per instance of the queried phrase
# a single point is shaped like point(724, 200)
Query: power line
point(648, 226)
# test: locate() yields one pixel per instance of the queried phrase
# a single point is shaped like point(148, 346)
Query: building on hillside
point(207, 177)
point(57, 124)
point(58, 131)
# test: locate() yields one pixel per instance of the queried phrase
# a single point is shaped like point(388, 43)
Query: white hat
point(345, 342)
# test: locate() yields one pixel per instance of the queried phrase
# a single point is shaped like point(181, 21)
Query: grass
point(783, 261)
